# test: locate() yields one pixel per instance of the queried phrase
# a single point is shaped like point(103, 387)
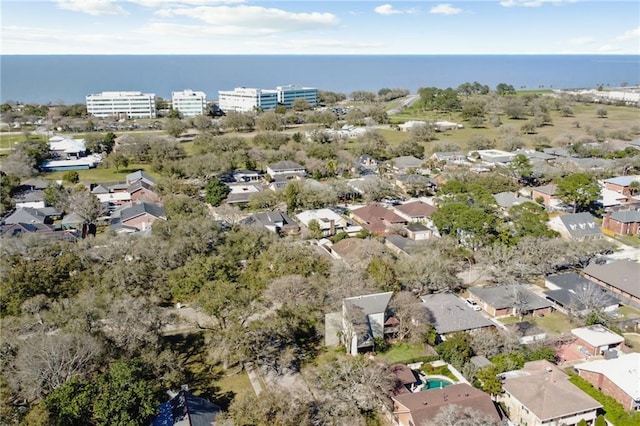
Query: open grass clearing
point(554, 324)
point(632, 340)
point(403, 353)
point(103, 174)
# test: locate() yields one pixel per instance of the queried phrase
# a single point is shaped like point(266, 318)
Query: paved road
point(410, 100)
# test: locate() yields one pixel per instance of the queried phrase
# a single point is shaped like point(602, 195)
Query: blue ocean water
point(69, 78)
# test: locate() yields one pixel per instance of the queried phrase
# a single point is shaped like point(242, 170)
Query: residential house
point(377, 219)
point(416, 211)
point(418, 231)
point(617, 377)
point(509, 300)
point(450, 314)
point(34, 199)
point(34, 184)
point(596, 339)
point(348, 249)
point(27, 215)
point(398, 244)
point(138, 217)
point(408, 380)
point(570, 291)
point(623, 185)
point(415, 185)
point(329, 221)
point(366, 164)
point(450, 157)
point(610, 199)
point(141, 190)
point(527, 332)
point(285, 168)
point(421, 408)
point(576, 226)
point(508, 199)
point(275, 221)
point(623, 222)
point(186, 409)
point(241, 192)
point(247, 176)
point(280, 181)
point(541, 394)
point(620, 278)
point(363, 320)
point(546, 195)
point(139, 175)
point(406, 164)
point(64, 148)
point(20, 228)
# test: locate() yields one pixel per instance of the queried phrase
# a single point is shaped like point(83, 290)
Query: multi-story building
point(288, 94)
point(245, 99)
point(189, 103)
point(122, 105)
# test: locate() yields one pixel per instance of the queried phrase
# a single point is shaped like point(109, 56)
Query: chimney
point(332, 227)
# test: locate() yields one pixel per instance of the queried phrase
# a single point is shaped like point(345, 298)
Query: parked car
point(473, 305)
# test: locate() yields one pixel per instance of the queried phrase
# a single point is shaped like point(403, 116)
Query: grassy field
point(10, 141)
point(632, 340)
point(619, 118)
point(402, 353)
point(554, 324)
point(100, 174)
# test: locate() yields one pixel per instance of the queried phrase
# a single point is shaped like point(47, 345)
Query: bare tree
point(455, 415)
point(588, 302)
point(412, 316)
point(45, 361)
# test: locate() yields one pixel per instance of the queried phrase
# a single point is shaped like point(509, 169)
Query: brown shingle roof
point(376, 218)
point(547, 392)
point(424, 406)
point(416, 209)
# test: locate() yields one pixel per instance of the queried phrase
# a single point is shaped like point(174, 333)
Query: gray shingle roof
point(450, 314)
point(623, 274)
point(580, 225)
point(142, 208)
point(138, 175)
point(370, 303)
point(186, 409)
point(502, 297)
point(25, 215)
point(626, 216)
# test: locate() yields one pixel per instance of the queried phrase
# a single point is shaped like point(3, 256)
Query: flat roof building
point(288, 94)
point(244, 99)
point(189, 103)
point(122, 105)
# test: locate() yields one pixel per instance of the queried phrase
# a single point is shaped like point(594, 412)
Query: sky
point(319, 27)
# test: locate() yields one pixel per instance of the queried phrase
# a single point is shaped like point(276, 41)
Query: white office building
point(189, 103)
point(288, 94)
point(122, 105)
point(245, 99)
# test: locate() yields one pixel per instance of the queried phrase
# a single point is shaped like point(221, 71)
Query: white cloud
point(581, 41)
point(314, 45)
point(607, 48)
point(386, 9)
point(168, 3)
point(533, 3)
point(92, 7)
point(630, 35)
point(445, 9)
point(256, 17)
point(182, 32)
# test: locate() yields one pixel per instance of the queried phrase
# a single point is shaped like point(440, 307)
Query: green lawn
point(403, 353)
point(628, 312)
point(10, 141)
point(633, 341)
point(100, 174)
point(554, 324)
point(630, 240)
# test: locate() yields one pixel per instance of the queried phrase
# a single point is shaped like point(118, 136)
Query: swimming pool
point(436, 384)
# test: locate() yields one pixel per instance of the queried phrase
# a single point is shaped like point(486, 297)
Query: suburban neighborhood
point(303, 257)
